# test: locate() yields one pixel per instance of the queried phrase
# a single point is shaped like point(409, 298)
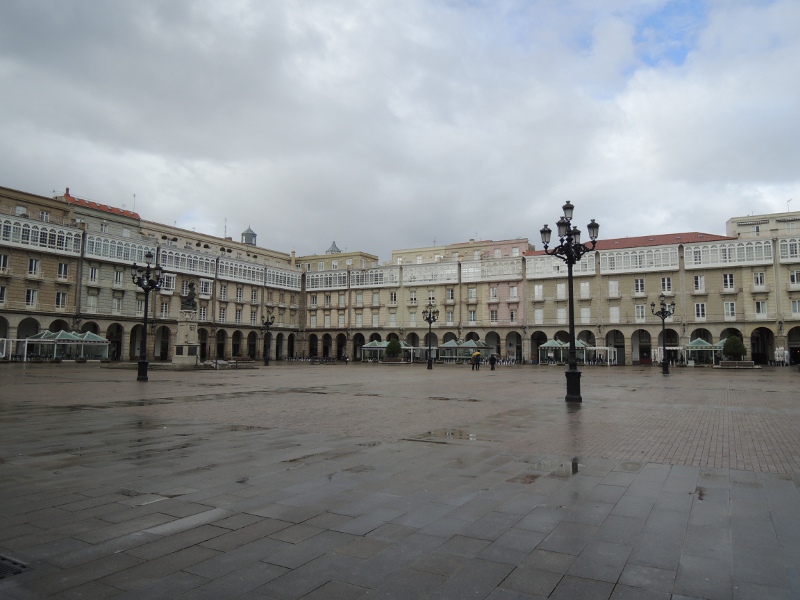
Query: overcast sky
point(385, 124)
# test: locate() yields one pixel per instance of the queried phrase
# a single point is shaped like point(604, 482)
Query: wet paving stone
point(368, 481)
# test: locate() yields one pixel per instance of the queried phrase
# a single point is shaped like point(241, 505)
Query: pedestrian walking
point(492, 361)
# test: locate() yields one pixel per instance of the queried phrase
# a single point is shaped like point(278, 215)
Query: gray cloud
point(388, 125)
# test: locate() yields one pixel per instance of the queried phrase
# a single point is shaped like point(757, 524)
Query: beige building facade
point(65, 265)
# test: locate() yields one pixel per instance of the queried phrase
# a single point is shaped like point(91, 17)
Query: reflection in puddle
point(559, 468)
point(458, 434)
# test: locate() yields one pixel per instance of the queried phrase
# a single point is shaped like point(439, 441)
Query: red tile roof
point(666, 239)
point(104, 207)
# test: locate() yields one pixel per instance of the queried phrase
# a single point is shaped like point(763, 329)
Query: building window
point(375, 319)
point(2, 294)
point(515, 251)
point(359, 320)
point(700, 311)
point(254, 295)
point(313, 320)
point(164, 310)
point(794, 276)
point(239, 294)
point(103, 227)
point(33, 266)
point(586, 315)
point(730, 310)
point(376, 298)
point(795, 307)
point(205, 287)
point(116, 306)
point(561, 291)
point(118, 277)
point(61, 299)
point(472, 316)
point(756, 230)
point(700, 283)
point(168, 282)
point(327, 299)
point(139, 307)
point(613, 314)
point(512, 292)
point(223, 292)
point(538, 291)
point(270, 296)
point(450, 294)
point(342, 302)
point(639, 312)
point(223, 313)
point(498, 253)
point(758, 280)
point(313, 300)
point(359, 299)
point(561, 315)
point(761, 308)
point(202, 313)
point(93, 274)
point(392, 319)
point(91, 304)
point(493, 316)
point(237, 316)
point(638, 285)
point(613, 288)
point(253, 317)
point(586, 291)
point(334, 264)
point(449, 316)
point(666, 284)
point(538, 316)
point(341, 320)
point(431, 296)
point(476, 255)
point(412, 296)
point(513, 315)
point(492, 293)
point(63, 269)
point(44, 216)
point(4, 263)
point(473, 293)
point(727, 281)
point(393, 297)
point(184, 287)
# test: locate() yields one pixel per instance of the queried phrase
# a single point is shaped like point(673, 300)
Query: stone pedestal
point(187, 349)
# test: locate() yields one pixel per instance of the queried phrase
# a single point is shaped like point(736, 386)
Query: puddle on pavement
point(458, 434)
point(631, 467)
point(446, 399)
point(525, 479)
point(560, 468)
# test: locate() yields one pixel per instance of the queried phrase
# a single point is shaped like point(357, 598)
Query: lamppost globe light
point(576, 235)
point(568, 208)
point(546, 233)
point(563, 227)
point(594, 229)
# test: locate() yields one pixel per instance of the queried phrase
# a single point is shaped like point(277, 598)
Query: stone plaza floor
point(397, 482)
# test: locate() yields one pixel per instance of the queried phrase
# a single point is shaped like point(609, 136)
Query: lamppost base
point(664, 367)
point(142, 374)
point(573, 386)
point(430, 363)
point(266, 362)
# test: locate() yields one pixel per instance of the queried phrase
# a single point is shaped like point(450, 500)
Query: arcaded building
point(65, 265)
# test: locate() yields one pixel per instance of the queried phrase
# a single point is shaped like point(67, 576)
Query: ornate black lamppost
point(148, 280)
point(570, 250)
point(265, 323)
point(667, 310)
point(430, 314)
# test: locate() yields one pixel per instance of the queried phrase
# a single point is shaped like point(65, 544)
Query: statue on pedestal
point(189, 303)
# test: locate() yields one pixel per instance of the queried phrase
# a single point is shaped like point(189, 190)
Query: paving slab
point(301, 481)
